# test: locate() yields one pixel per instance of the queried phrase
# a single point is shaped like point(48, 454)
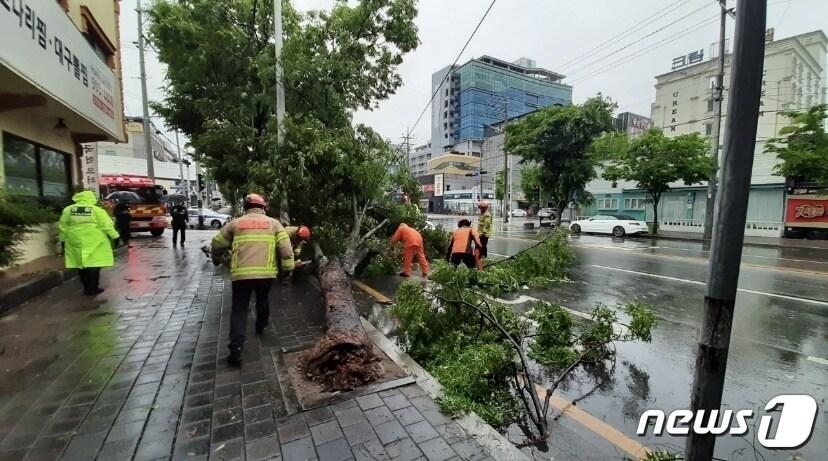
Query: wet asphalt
point(779, 342)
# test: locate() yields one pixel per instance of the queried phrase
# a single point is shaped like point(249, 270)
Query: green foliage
point(221, 93)
point(530, 184)
point(500, 185)
point(557, 139)
point(653, 161)
point(18, 217)
point(659, 455)
point(553, 345)
point(802, 146)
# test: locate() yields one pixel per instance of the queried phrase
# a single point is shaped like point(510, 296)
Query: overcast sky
point(552, 32)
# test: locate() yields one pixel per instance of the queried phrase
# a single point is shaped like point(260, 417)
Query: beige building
point(60, 86)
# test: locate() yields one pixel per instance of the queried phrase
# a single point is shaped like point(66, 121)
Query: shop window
point(35, 170)
point(607, 203)
point(634, 203)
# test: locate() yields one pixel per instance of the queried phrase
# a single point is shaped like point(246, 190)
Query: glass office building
point(486, 91)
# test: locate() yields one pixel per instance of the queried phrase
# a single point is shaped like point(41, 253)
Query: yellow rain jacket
point(254, 240)
point(484, 227)
point(85, 230)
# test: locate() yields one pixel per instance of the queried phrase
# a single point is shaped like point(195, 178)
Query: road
point(778, 343)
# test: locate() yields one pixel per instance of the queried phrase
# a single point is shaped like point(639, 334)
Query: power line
point(414, 127)
point(634, 42)
point(635, 27)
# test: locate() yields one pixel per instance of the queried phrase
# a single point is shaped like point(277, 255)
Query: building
point(793, 78)
point(60, 86)
point(485, 91)
point(131, 158)
point(418, 160)
point(632, 124)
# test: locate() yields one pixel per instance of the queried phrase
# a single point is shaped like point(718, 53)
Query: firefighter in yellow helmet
point(484, 230)
point(255, 242)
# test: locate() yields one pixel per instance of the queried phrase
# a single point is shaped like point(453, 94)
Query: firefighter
point(484, 231)
point(299, 237)
point(86, 232)
point(412, 246)
point(255, 241)
point(123, 220)
point(462, 246)
point(180, 219)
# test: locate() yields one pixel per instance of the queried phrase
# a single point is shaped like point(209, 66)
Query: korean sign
point(807, 210)
point(42, 45)
point(89, 168)
point(438, 185)
point(691, 58)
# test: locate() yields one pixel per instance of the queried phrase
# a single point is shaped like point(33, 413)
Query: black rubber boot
point(234, 358)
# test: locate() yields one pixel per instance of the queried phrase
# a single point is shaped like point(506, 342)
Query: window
point(708, 129)
point(709, 104)
point(607, 203)
point(445, 103)
point(35, 170)
point(634, 203)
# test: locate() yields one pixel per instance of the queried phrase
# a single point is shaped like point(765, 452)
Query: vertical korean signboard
point(438, 185)
point(89, 168)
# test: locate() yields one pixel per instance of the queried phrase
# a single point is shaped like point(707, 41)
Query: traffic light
point(200, 181)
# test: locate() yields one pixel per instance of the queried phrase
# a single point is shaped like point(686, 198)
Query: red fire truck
point(806, 211)
point(149, 213)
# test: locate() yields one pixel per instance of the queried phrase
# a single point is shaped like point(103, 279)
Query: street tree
point(327, 173)
point(500, 186)
point(557, 139)
point(802, 146)
point(530, 184)
point(654, 162)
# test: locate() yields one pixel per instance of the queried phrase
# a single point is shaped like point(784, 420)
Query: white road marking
point(819, 360)
point(696, 282)
point(498, 254)
point(526, 298)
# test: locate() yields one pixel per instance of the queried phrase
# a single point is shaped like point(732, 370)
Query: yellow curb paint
point(602, 429)
point(379, 297)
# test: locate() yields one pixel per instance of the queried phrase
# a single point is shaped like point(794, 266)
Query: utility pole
point(505, 204)
point(180, 165)
point(718, 96)
point(729, 224)
point(144, 104)
point(406, 139)
point(280, 98)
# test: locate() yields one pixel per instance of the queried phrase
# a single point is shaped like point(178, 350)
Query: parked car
point(211, 218)
point(618, 225)
point(546, 213)
point(518, 213)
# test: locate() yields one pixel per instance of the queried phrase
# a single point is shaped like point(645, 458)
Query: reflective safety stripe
point(283, 235)
point(266, 271)
point(255, 238)
point(287, 264)
point(220, 240)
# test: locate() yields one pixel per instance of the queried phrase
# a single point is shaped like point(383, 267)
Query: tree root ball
point(343, 359)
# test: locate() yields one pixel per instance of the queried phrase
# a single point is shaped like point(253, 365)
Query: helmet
point(304, 233)
point(483, 205)
point(254, 200)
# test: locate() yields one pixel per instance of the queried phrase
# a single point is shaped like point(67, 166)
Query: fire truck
point(806, 210)
point(149, 213)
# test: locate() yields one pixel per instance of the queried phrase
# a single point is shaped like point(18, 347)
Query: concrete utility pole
point(718, 97)
point(280, 98)
point(144, 104)
point(406, 138)
point(730, 216)
point(505, 160)
point(181, 165)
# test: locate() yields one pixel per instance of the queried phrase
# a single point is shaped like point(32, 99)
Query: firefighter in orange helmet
point(412, 246)
point(299, 237)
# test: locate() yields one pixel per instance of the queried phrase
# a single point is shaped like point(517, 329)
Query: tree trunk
point(559, 215)
point(656, 199)
point(343, 358)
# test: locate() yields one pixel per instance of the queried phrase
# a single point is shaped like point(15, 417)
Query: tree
point(331, 174)
point(654, 161)
point(500, 186)
point(802, 147)
point(557, 139)
point(530, 184)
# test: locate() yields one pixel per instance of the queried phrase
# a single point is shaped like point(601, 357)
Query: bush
point(18, 217)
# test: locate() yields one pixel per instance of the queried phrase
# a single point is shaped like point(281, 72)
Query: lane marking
point(696, 282)
point(602, 429)
point(379, 297)
point(819, 360)
point(812, 261)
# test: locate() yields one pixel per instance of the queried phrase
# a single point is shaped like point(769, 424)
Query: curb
point(39, 284)
point(498, 446)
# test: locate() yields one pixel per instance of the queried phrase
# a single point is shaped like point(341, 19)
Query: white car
point(518, 213)
point(618, 225)
point(211, 218)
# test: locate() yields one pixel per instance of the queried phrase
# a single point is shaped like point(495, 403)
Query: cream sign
point(42, 45)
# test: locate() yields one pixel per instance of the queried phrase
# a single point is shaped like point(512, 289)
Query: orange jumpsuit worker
point(413, 245)
point(463, 244)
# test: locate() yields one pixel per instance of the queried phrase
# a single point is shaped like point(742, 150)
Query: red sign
point(807, 211)
point(428, 187)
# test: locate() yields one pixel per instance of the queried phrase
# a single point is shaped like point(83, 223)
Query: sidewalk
point(139, 373)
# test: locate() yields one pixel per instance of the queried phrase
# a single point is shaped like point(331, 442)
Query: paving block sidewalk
point(139, 373)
